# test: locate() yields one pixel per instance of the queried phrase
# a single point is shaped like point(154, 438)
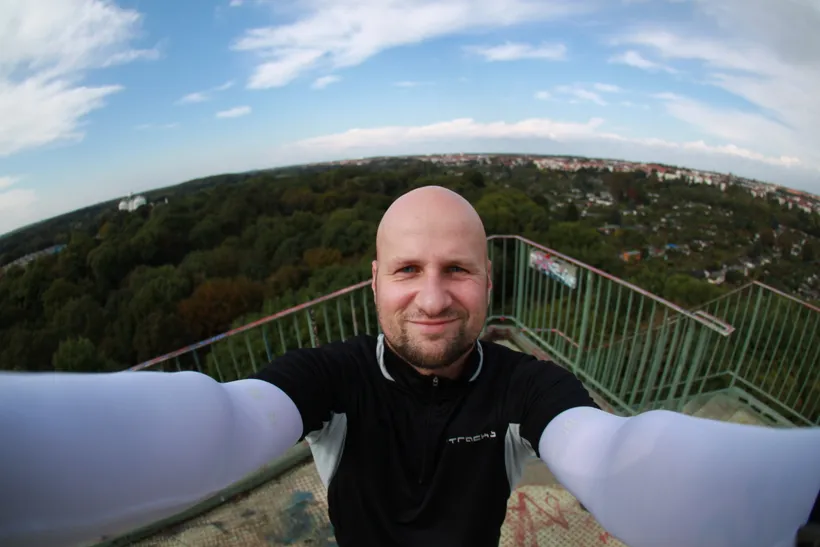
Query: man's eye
point(407, 269)
point(456, 269)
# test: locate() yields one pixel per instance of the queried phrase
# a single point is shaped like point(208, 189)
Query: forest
point(132, 286)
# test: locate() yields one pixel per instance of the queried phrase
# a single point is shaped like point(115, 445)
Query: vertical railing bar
point(491, 245)
point(647, 342)
point(633, 355)
point(740, 363)
point(504, 279)
point(298, 331)
point(196, 361)
point(788, 345)
point(656, 361)
point(268, 351)
point(339, 318)
point(780, 397)
point(529, 282)
point(539, 310)
point(218, 366)
point(577, 333)
point(328, 333)
point(715, 339)
point(581, 350)
point(233, 358)
point(682, 356)
point(559, 320)
point(282, 337)
point(553, 319)
point(621, 366)
point(250, 352)
point(732, 319)
point(517, 292)
point(353, 315)
point(753, 375)
point(600, 349)
point(613, 327)
point(366, 313)
point(693, 366)
point(669, 356)
point(735, 365)
point(807, 363)
point(311, 327)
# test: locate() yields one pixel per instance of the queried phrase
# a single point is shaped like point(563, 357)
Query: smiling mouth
point(433, 323)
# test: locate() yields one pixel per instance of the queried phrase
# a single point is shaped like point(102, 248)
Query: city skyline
point(99, 99)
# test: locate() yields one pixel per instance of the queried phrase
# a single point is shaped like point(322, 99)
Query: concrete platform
point(724, 408)
point(293, 511)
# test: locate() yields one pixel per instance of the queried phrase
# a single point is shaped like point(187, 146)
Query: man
point(419, 434)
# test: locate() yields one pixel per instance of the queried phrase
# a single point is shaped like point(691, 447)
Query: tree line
point(131, 286)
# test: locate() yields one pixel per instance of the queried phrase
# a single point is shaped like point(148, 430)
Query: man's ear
point(489, 277)
point(374, 269)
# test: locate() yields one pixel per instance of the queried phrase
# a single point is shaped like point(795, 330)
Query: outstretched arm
point(89, 455)
point(664, 478)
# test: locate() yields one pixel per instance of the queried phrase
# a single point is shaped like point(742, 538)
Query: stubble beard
point(414, 351)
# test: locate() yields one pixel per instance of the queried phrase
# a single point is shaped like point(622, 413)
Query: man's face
point(431, 286)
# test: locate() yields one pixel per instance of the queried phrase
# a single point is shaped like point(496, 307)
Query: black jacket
point(414, 460)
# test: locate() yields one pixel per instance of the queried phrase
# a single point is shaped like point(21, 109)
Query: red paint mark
point(604, 537)
point(528, 515)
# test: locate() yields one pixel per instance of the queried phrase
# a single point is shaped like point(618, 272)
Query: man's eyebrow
point(404, 260)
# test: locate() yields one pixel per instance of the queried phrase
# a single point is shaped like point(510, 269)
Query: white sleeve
point(89, 455)
point(664, 478)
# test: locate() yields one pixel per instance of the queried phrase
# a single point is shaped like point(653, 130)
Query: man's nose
point(433, 298)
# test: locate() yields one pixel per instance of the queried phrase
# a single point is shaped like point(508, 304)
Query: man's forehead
point(416, 245)
point(429, 223)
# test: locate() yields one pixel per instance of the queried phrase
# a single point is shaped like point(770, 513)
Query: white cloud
point(46, 49)
point(146, 126)
point(607, 88)
point(543, 95)
point(511, 51)
point(7, 181)
point(525, 130)
point(203, 96)
point(630, 104)
point(634, 59)
point(411, 83)
point(580, 94)
point(344, 33)
point(235, 3)
point(16, 208)
point(324, 81)
point(762, 55)
point(234, 112)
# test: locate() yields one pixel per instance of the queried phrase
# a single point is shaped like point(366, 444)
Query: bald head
point(431, 208)
point(431, 278)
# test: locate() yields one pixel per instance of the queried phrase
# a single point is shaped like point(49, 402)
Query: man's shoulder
point(505, 359)
point(354, 351)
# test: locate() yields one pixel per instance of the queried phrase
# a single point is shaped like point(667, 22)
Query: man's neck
point(451, 371)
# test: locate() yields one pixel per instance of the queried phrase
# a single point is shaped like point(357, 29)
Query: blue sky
point(100, 98)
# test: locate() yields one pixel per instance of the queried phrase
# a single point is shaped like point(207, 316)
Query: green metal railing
point(775, 351)
point(632, 347)
point(641, 352)
point(241, 351)
point(635, 349)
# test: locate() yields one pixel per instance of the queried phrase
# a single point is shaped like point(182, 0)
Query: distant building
point(25, 260)
point(132, 203)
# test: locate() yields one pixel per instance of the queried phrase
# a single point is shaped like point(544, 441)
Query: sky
point(100, 98)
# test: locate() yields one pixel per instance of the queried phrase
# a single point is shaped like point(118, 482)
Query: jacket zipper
point(427, 430)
